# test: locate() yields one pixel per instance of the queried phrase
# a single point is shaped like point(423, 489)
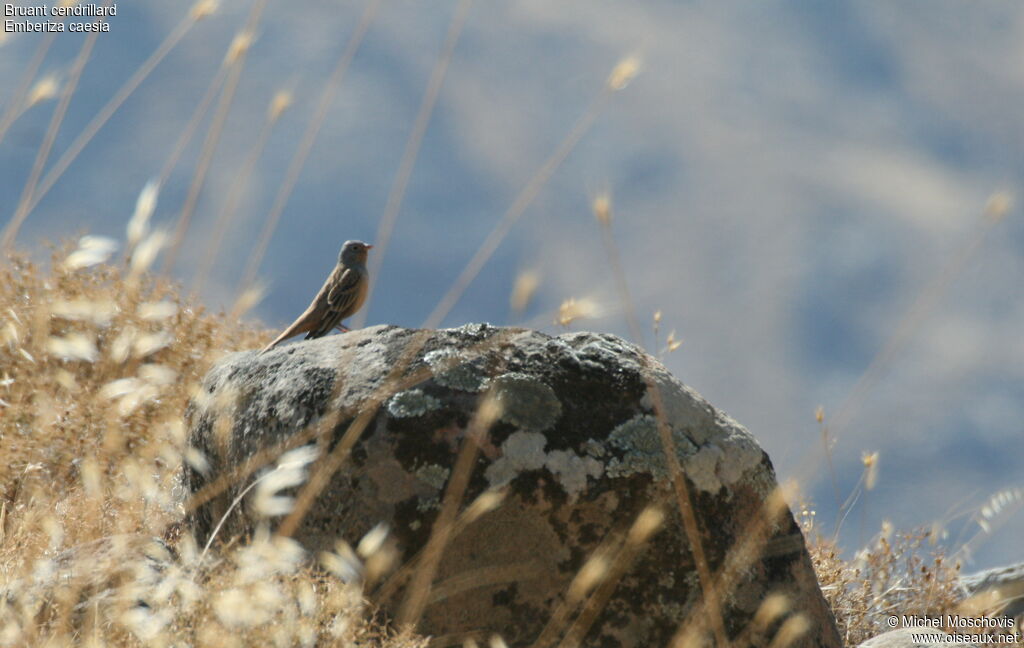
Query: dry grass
point(898, 573)
point(98, 365)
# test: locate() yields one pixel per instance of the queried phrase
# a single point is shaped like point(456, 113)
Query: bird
point(341, 296)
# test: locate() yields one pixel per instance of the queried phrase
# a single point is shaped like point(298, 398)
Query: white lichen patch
point(520, 452)
point(701, 468)
point(572, 470)
point(526, 402)
point(524, 451)
point(609, 352)
point(412, 403)
point(455, 372)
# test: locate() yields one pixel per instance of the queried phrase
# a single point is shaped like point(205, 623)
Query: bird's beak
point(369, 247)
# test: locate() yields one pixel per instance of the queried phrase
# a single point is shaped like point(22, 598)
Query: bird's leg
point(343, 328)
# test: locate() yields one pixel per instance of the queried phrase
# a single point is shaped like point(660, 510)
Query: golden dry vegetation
point(98, 364)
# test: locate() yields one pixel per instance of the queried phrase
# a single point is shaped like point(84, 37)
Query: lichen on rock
point(520, 452)
point(452, 370)
point(525, 401)
point(523, 451)
point(572, 470)
point(433, 475)
point(411, 403)
point(639, 444)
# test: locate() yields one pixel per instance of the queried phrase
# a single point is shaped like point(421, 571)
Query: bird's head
point(353, 253)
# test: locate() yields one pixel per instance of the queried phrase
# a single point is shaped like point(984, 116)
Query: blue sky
point(786, 178)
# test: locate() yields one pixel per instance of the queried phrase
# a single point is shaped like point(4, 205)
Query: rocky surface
point(998, 589)
point(576, 450)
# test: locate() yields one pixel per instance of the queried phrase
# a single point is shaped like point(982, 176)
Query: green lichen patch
point(451, 371)
point(640, 443)
point(526, 402)
point(412, 403)
point(433, 475)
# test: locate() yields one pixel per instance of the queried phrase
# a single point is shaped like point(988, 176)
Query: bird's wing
point(343, 292)
point(341, 298)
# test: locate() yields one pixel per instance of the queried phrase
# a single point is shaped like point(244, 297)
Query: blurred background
point(799, 188)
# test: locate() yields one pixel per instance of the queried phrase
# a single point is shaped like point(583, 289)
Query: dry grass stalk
point(234, 59)
point(105, 113)
point(483, 504)
point(306, 145)
point(29, 190)
point(573, 309)
point(16, 105)
point(922, 306)
point(897, 573)
point(278, 104)
point(602, 207)
point(523, 291)
point(647, 523)
point(418, 592)
point(192, 125)
point(412, 147)
point(519, 206)
point(712, 590)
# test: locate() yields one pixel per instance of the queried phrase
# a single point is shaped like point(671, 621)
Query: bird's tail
point(278, 340)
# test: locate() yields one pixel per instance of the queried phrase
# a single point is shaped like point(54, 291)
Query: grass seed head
point(45, 89)
point(147, 251)
point(791, 631)
point(523, 290)
point(203, 9)
point(573, 309)
point(646, 525)
point(623, 73)
point(870, 461)
point(239, 46)
point(92, 250)
point(602, 208)
point(73, 346)
point(998, 205)
point(671, 343)
point(145, 205)
point(281, 102)
point(373, 541)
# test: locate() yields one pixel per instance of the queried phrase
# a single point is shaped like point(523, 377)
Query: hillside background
point(787, 181)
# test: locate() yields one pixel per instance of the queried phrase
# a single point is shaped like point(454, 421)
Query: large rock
point(576, 448)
